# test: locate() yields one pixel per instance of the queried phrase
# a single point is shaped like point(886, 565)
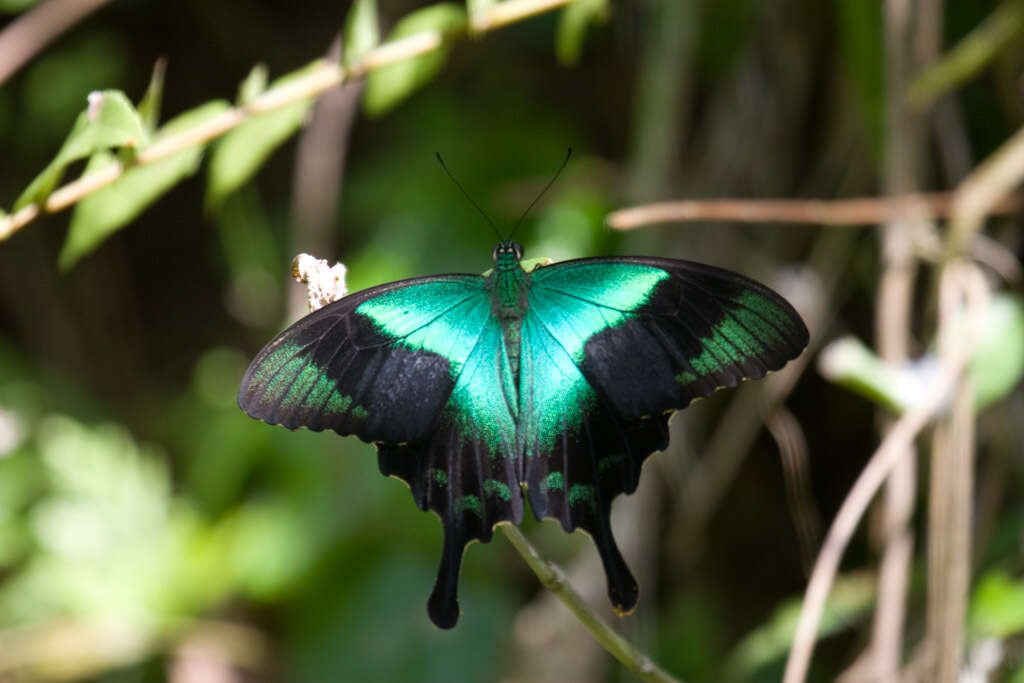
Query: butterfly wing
point(419, 368)
point(610, 348)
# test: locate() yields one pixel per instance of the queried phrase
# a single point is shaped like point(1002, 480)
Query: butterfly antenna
point(466, 195)
point(546, 188)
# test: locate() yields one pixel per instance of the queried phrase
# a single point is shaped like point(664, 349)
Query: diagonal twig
point(896, 444)
point(316, 82)
point(553, 578)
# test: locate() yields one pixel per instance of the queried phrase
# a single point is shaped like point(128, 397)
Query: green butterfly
point(553, 384)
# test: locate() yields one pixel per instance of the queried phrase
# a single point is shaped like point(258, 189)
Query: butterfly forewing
point(695, 329)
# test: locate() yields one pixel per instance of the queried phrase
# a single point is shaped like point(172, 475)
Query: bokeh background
point(150, 531)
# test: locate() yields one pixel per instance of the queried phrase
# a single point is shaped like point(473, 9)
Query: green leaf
point(997, 606)
point(15, 6)
point(238, 155)
point(572, 28)
point(851, 598)
point(849, 363)
point(110, 120)
point(362, 33)
point(475, 7)
point(997, 363)
point(149, 106)
point(389, 85)
point(253, 86)
point(860, 29)
point(996, 367)
point(103, 212)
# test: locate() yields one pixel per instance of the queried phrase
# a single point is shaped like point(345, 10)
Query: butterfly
point(549, 385)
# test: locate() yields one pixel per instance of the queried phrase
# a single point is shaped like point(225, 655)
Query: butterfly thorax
point(508, 285)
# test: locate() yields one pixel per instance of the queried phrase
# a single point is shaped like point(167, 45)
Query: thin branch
point(792, 444)
point(553, 578)
point(504, 13)
point(962, 292)
point(33, 30)
point(316, 82)
point(837, 212)
point(986, 191)
point(896, 444)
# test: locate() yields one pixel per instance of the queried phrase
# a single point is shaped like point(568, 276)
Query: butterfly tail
point(443, 605)
point(469, 487)
point(622, 587)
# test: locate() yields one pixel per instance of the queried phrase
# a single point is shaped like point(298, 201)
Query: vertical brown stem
point(904, 155)
point(952, 485)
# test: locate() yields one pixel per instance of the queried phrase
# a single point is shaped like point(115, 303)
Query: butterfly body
point(549, 386)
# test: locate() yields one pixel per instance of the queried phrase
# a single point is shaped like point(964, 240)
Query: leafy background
point(150, 531)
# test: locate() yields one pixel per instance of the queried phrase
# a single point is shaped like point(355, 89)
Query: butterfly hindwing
point(578, 454)
point(418, 367)
point(467, 471)
point(610, 348)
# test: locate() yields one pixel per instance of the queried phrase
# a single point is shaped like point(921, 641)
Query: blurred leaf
point(254, 259)
point(388, 86)
point(1017, 675)
point(110, 120)
point(54, 86)
point(576, 17)
point(999, 31)
point(101, 213)
point(372, 626)
point(273, 545)
point(101, 530)
point(718, 49)
point(691, 635)
point(475, 7)
point(849, 363)
point(21, 480)
point(254, 85)
point(216, 376)
point(997, 606)
point(149, 106)
point(998, 361)
point(852, 596)
point(238, 155)
point(362, 33)
point(860, 44)
point(15, 6)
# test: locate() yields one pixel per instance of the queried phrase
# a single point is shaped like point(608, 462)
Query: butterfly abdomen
point(509, 286)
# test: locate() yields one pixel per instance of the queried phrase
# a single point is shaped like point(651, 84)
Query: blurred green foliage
point(141, 511)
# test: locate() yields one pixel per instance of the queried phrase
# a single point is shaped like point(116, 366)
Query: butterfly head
point(507, 250)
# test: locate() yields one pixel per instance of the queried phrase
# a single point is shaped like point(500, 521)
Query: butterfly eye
point(518, 249)
point(495, 252)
